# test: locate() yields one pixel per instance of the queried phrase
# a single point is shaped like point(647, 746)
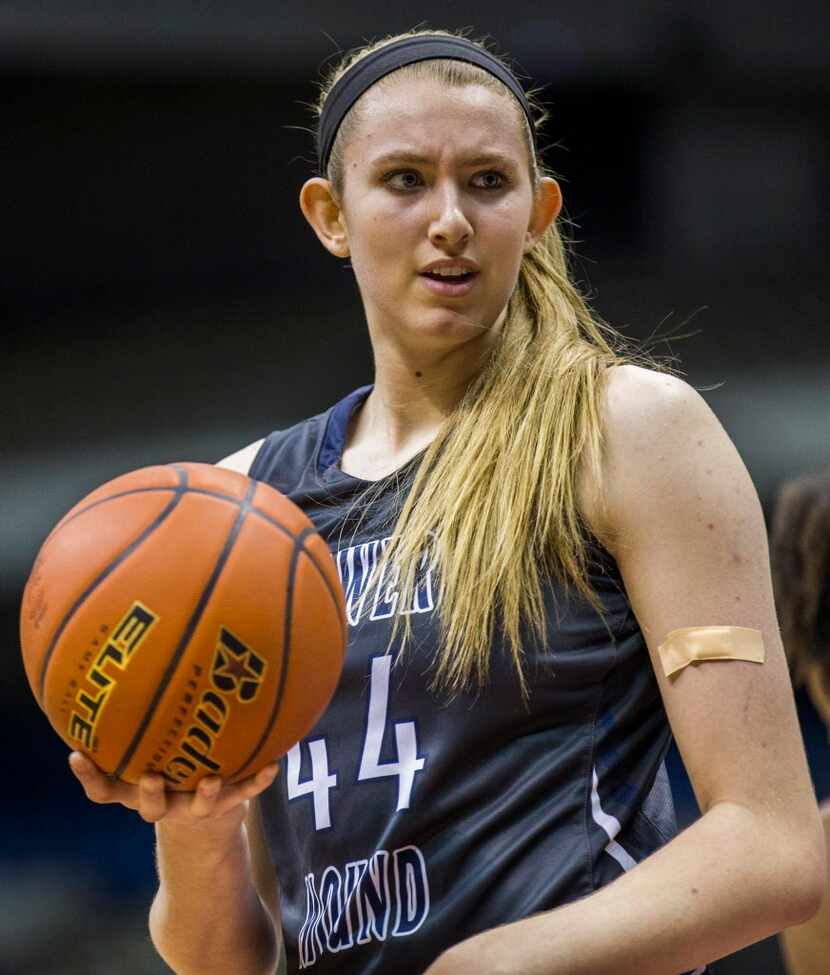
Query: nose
point(450, 225)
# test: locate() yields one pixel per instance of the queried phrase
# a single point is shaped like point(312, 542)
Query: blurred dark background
point(163, 298)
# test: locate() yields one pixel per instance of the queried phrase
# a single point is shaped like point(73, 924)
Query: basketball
point(185, 620)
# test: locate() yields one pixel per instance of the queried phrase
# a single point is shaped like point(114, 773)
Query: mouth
point(454, 287)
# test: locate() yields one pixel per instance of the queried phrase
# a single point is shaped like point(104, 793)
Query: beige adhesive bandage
point(694, 643)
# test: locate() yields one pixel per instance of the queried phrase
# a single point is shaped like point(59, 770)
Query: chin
point(447, 327)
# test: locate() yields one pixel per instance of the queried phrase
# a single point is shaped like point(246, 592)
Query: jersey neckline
point(333, 440)
point(334, 433)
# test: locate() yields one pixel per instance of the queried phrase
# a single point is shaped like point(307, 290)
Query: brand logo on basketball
point(236, 668)
point(115, 656)
point(236, 672)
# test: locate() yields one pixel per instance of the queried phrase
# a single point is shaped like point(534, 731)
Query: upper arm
point(242, 459)
point(691, 545)
point(262, 869)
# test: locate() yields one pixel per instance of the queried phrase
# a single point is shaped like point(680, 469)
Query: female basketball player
point(800, 552)
point(546, 529)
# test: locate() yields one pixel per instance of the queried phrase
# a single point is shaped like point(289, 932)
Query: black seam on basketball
point(286, 649)
point(328, 586)
point(144, 490)
point(273, 521)
point(303, 535)
point(179, 494)
point(193, 622)
point(150, 490)
point(109, 497)
point(121, 494)
point(191, 490)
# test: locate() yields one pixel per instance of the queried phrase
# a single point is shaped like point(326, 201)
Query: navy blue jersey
point(406, 822)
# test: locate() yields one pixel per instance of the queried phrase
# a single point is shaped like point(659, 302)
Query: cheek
point(509, 226)
point(382, 240)
point(505, 256)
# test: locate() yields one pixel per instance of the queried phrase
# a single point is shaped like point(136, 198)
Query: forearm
point(720, 885)
point(207, 916)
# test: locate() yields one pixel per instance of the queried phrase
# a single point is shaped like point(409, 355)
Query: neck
point(414, 392)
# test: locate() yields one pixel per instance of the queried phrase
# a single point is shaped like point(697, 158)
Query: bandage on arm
point(696, 643)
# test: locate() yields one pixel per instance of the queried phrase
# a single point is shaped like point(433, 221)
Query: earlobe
point(322, 211)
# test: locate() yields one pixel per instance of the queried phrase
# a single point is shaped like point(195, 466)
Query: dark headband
point(424, 47)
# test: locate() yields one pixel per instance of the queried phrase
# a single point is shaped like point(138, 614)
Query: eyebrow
point(414, 157)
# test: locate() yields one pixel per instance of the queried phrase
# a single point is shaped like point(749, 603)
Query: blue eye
point(501, 183)
point(502, 179)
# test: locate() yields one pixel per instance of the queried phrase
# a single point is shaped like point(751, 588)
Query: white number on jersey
point(408, 763)
point(320, 783)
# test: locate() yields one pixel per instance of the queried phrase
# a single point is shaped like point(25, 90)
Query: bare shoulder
point(641, 403)
point(645, 415)
point(241, 460)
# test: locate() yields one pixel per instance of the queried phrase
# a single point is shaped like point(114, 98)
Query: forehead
point(436, 120)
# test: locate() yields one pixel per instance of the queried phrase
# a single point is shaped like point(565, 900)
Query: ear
point(547, 204)
point(322, 210)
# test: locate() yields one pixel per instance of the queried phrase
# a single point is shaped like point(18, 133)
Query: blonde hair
point(492, 506)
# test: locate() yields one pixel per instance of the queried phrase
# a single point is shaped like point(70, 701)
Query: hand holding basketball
point(212, 803)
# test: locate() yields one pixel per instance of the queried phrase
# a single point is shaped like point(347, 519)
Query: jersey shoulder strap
point(310, 447)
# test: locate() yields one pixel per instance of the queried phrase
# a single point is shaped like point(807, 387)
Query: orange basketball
point(184, 620)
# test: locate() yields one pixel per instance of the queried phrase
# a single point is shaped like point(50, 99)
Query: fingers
point(97, 786)
point(148, 798)
point(203, 803)
point(258, 783)
point(249, 788)
point(151, 799)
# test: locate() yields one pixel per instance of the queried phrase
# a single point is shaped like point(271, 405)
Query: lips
point(451, 287)
point(451, 263)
